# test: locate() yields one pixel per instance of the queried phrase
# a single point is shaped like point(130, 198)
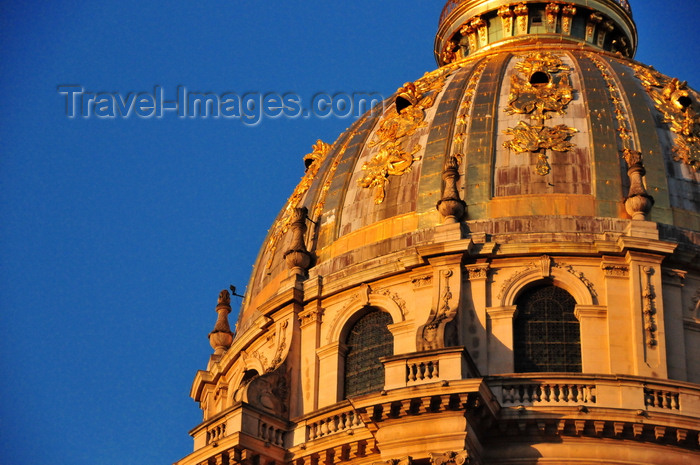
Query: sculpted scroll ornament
point(408, 460)
point(621, 271)
point(393, 157)
point(450, 458)
point(270, 391)
point(422, 281)
point(544, 269)
point(673, 99)
point(438, 332)
point(541, 90)
point(578, 274)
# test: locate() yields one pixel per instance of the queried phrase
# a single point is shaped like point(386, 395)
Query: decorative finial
point(638, 203)
point(451, 206)
point(298, 257)
point(222, 337)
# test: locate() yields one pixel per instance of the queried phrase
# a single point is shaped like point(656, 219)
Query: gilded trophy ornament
point(406, 116)
point(319, 151)
point(537, 139)
point(542, 92)
point(673, 99)
point(540, 89)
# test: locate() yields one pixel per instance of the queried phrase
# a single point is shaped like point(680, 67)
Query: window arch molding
point(366, 345)
point(552, 310)
point(591, 315)
point(356, 307)
point(531, 275)
point(331, 355)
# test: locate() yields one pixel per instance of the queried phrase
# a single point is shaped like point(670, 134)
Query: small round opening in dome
point(539, 78)
point(684, 102)
point(401, 104)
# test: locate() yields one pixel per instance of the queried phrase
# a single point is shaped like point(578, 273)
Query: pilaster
point(673, 283)
point(310, 327)
point(619, 328)
point(500, 341)
point(331, 365)
point(595, 357)
point(647, 314)
point(475, 322)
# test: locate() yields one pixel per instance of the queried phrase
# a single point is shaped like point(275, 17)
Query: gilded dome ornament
point(398, 124)
point(319, 152)
point(538, 139)
point(543, 90)
point(672, 98)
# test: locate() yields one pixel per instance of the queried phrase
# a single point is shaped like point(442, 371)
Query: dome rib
point(439, 145)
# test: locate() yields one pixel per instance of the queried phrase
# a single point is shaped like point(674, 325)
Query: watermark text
point(250, 107)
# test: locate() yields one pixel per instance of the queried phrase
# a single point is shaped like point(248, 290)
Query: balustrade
point(548, 393)
point(343, 421)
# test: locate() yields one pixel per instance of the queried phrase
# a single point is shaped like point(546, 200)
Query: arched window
point(369, 339)
point(546, 334)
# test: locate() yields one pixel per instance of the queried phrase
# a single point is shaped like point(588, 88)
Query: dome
point(497, 265)
point(566, 145)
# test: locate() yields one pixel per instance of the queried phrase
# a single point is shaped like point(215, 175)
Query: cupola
point(468, 27)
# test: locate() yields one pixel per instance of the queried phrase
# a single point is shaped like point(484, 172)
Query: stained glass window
point(369, 340)
point(546, 334)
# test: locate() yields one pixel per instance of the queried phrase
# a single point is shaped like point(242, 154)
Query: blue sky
point(116, 235)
